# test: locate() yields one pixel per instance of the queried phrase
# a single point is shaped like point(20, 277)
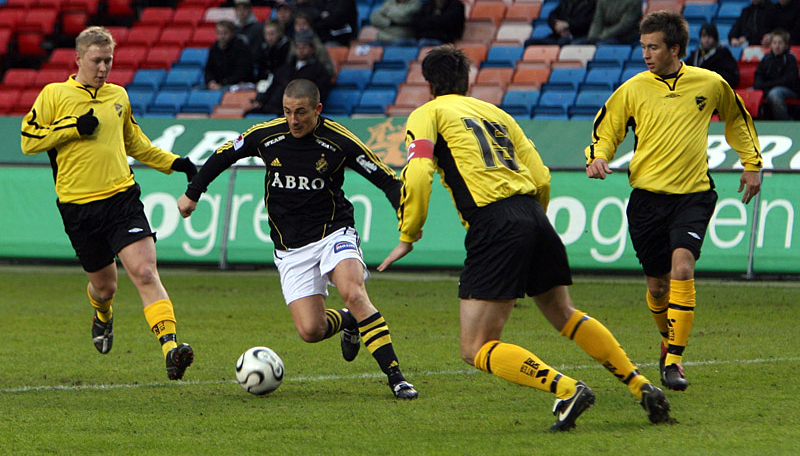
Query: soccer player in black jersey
point(87, 128)
point(311, 222)
point(501, 189)
point(673, 199)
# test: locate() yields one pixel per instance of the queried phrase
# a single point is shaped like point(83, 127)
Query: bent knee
point(311, 333)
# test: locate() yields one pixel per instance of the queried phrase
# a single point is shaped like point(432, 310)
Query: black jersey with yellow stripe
point(304, 177)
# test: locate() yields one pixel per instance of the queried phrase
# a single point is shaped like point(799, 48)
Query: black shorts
point(512, 249)
point(659, 224)
point(100, 229)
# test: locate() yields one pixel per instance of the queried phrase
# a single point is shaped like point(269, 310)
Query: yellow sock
point(517, 365)
point(596, 340)
point(161, 318)
point(658, 307)
point(104, 311)
point(681, 318)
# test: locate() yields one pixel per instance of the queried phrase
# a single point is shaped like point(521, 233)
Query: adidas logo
point(275, 162)
point(135, 230)
point(694, 235)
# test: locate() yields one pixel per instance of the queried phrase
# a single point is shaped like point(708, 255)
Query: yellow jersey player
point(501, 189)
point(669, 108)
point(87, 129)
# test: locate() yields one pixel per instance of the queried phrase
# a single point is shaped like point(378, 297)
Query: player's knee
point(144, 275)
point(468, 355)
point(105, 292)
point(311, 332)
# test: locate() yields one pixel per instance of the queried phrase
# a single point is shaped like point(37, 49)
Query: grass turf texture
point(59, 396)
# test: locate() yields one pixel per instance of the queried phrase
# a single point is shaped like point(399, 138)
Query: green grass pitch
point(58, 396)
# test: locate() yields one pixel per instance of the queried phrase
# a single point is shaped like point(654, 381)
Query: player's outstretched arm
point(598, 169)
point(398, 252)
point(750, 182)
point(186, 205)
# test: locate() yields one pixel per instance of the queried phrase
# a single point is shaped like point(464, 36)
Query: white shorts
point(304, 271)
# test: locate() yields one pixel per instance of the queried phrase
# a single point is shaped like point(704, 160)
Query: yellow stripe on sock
point(681, 317)
point(104, 310)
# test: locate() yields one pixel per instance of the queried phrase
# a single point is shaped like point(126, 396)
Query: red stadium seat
point(119, 33)
point(121, 77)
point(11, 17)
point(188, 16)
point(488, 9)
point(18, 78)
point(176, 35)
point(5, 40)
point(63, 58)
point(482, 31)
point(73, 22)
point(87, 6)
point(48, 75)
point(122, 8)
point(752, 100)
point(156, 15)
point(29, 43)
point(8, 99)
point(524, 11)
point(145, 35)
point(490, 93)
point(203, 36)
point(495, 75)
point(39, 20)
point(25, 102)
point(747, 74)
point(162, 56)
point(130, 57)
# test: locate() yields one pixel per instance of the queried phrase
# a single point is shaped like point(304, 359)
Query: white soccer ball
point(259, 370)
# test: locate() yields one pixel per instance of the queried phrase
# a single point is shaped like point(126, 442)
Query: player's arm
point(361, 159)
point(222, 159)
point(45, 128)
point(740, 133)
point(609, 130)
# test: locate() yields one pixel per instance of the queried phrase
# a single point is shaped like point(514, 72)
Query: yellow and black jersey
point(303, 185)
point(93, 167)
point(480, 152)
point(670, 118)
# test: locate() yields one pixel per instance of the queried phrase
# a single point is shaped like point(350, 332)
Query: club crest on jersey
point(118, 108)
point(238, 142)
point(343, 245)
point(701, 102)
point(321, 165)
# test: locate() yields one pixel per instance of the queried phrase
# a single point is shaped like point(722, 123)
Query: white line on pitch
point(321, 378)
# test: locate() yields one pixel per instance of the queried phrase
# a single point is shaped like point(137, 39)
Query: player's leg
point(101, 290)
point(348, 277)
point(310, 318)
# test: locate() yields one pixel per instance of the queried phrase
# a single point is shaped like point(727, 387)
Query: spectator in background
point(247, 26)
point(394, 21)
point(228, 60)
point(284, 14)
point(570, 22)
point(752, 27)
point(713, 56)
point(310, 8)
point(787, 17)
point(272, 52)
point(777, 76)
point(301, 65)
point(303, 23)
point(615, 22)
point(338, 22)
point(439, 22)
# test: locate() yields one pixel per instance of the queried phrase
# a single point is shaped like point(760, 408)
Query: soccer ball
point(259, 370)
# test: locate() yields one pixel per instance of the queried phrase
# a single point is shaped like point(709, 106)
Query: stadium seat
point(547, 8)
point(752, 101)
point(73, 22)
point(753, 54)
point(481, 31)
point(531, 73)
point(503, 56)
point(565, 79)
point(577, 52)
point(599, 78)
point(148, 79)
point(397, 56)
point(611, 55)
point(161, 56)
point(523, 11)
point(666, 5)
point(702, 12)
point(262, 12)
point(541, 53)
point(488, 9)
point(587, 103)
point(10, 17)
point(364, 54)
point(39, 20)
point(239, 99)
point(8, 99)
point(129, 57)
point(29, 43)
point(192, 57)
point(120, 35)
point(515, 32)
point(120, 8)
point(412, 95)
point(340, 102)
point(47, 75)
point(87, 6)
point(176, 35)
point(519, 103)
point(5, 39)
point(728, 12)
point(62, 58)
point(747, 75)
point(498, 75)
point(168, 102)
point(736, 52)
point(202, 101)
point(215, 14)
point(375, 101)
point(354, 77)
point(143, 35)
point(338, 55)
point(475, 51)
point(156, 15)
point(488, 92)
point(387, 78)
point(203, 36)
point(554, 104)
point(25, 102)
point(121, 76)
point(184, 79)
point(188, 15)
point(227, 112)
point(541, 31)
point(140, 99)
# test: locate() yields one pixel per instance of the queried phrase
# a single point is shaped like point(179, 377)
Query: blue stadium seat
point(150, 79)
point(503, 56)
point(631, 71)
point(548, 8)
point(192, 57)
point(397, 57)
point(565, 79)
point(694, 31)
point(520, 103)
point(363, 13)
point(168, 102)
point(724, 30)
point(737, 51)
point(554, 104)
point(202, 101)
point(353, 78)
point(703, 12)
point(183, 78)
point(541, 31)
point(375, 101)
point(728, 13)
point(386, 78)
point(140, 99)
point(599, 78)
point(611, 55)
point(340, 102)
point(587, 103)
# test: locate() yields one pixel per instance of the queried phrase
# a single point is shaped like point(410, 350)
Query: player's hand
point(185, 165)
point(750, 182)
point(398, 252)
point(598, 169)
point(87, 123)
point(186, 206)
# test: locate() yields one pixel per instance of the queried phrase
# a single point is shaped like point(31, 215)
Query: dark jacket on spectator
point(313, 70)
point(338, 22)
point(445, 23)
point(754, 22)
point(777, 70)
point(269, 58)
point(788, 18)
point(719, 60)
point(577, 13)
point(231, 65)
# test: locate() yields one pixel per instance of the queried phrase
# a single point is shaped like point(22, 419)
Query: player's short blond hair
point(94, 35)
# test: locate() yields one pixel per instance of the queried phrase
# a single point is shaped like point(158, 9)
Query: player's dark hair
point(672, 25)
point(302, 88)
point(446, 69)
